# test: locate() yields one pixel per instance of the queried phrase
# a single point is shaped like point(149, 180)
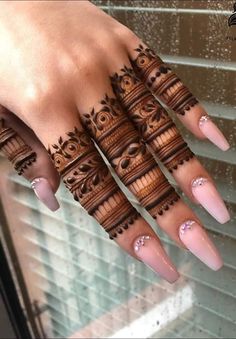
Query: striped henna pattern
point(89, 180)
point(152, 121)
point(162, 81)
point(128, 155)
point(15, 149)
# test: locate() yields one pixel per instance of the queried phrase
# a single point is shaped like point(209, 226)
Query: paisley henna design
point(162, 81)
point(128, 155)
point(151, 120)
point(15, 149)
point(87, 177)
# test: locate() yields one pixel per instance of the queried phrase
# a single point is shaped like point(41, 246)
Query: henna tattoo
point(232, 18)
point(162, 81)
point(15, 149)
point(87, 177)
point(152, 121)
point(128, 155)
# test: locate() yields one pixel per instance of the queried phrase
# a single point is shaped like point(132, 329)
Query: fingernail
point(197, 241)
point(207, 195)
point(149, 250)
point(44, 192)
point(212, 132)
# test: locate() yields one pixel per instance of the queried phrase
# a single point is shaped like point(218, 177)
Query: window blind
point(84, 284)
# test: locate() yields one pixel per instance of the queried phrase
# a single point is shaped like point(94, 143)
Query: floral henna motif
point(87, 177)
point(162, 81)
point(128, 155)
point(152, 121)
point(15, 149)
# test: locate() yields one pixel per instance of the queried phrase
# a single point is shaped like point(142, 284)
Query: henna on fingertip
point(162, 81)
point(89, 180)
point(150, 118)
point(129, 156)
point(15, 149)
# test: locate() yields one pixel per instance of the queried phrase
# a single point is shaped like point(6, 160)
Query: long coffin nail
point(149, 250)
point(44, 192)
point(207, 195)
point(197, 241)
point(212, 132)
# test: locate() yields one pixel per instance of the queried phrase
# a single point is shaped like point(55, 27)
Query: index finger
point(168, 87)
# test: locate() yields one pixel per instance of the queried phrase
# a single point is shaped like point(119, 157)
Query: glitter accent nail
point(150, 251)
point(34, 183)
point(212, 132)
point(198, 242)
point(206, 194)
point(187, 225)
point(198, 181)
point(204, 119)
point(141, 242)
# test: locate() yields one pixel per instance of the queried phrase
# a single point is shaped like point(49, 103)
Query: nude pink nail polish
point(212, 132)
point(149, 250)
point(197, 241)
point(44, 192)
point(207, 195)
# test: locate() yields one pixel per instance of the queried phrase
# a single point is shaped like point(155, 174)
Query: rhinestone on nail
point(204, 119)
point(141, 242)
point(198, 182)
point(186, 226)
point(34, 182)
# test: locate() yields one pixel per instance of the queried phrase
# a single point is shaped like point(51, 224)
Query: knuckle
point(87, 59)
point(108, 41)
point(126, 35)
point(37, 96)
point(89, 62)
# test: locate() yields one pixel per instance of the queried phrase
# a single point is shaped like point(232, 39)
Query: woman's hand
point(71, 75)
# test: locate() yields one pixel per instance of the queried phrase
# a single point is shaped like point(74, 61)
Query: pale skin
point(56, 59)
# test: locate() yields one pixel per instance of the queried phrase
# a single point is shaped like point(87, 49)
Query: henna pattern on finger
point(150, 118)
point(164, 83)
point(15, 149)
point(89, 180)
point(117, 138)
